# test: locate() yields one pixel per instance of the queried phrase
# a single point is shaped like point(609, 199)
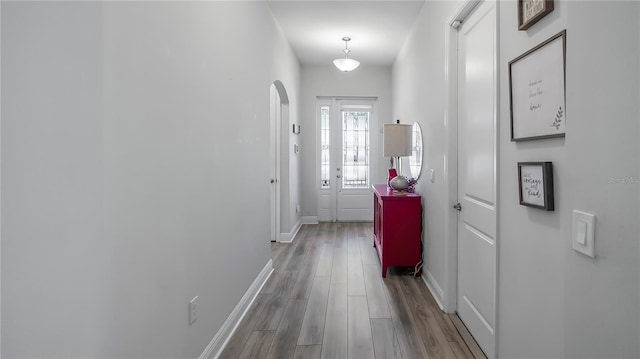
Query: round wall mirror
point(415, 161)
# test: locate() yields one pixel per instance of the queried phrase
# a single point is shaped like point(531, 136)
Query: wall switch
point(297, 208)
point(583, 233)
point(193, 313)
point(432, 175)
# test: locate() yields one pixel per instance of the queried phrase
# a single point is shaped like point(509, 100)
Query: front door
point(345, 165)
point(477, 134)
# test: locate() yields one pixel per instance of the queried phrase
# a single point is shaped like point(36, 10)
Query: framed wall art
point(531, 11)
point(535, 184)
point(537, 91)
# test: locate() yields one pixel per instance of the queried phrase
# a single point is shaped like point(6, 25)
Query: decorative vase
point(392, 173)
point(399, 183)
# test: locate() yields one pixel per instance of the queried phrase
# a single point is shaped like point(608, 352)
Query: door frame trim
point(279, 126)
point(450, 292)
point(449, 300)
point(275, 129)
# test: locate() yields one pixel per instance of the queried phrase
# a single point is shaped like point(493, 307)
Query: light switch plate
point(583, 233)
point(193, 312)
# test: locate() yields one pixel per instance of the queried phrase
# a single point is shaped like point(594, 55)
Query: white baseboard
point(309, 220)
point(434, 288)
point(223, 335)
point(288, 237)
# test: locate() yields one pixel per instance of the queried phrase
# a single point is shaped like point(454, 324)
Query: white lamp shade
point(397, 140)
point(346, 64)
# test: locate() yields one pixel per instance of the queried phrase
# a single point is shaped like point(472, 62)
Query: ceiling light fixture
point(346, 64)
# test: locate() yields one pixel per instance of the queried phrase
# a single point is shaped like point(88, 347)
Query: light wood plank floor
point(327, 299)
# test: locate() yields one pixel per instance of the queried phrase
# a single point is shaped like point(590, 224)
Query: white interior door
point(477, 104)
point(274, 160)
point(345, 165)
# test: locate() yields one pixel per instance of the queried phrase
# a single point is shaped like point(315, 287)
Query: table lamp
point(397, 143)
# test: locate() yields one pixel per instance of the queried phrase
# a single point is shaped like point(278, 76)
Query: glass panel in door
point(355, 149)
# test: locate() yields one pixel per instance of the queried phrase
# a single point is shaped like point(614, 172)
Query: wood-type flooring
point(327, 299)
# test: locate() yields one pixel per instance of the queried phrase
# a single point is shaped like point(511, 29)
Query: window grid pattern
point(415, 161)
point(355, 149)
point(325, 155)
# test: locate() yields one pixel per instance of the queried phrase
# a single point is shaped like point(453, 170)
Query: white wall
point(604, 148)
point(601, 147)
point(326, 80)
point(54, 287)
point(553, 302)
point(531, 247)
point(0, 185)
point(122, 126)
point(419, 95)
point(295, 172)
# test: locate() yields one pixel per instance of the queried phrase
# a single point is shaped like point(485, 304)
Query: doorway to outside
point(344, 166)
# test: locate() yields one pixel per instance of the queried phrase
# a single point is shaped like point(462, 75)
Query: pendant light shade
point(346, 64)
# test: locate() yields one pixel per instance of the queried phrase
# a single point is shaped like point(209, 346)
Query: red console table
point(397, 224)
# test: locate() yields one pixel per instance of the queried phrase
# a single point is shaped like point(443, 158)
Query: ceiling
point(315, 28)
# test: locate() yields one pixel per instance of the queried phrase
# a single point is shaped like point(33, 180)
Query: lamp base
point(399, 183)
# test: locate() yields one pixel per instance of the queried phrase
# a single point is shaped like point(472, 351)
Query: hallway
point(326, 298)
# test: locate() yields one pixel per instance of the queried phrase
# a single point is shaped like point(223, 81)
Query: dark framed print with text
point(531, 11)
point(535, 184)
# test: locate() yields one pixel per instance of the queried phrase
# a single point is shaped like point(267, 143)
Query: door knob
point(338, 176)
point(458, 207)
point(272, 181)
